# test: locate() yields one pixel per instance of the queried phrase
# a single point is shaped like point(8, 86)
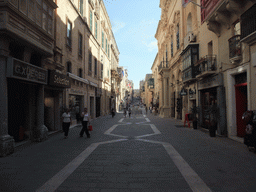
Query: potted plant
point(214, 116)
point(194, 111)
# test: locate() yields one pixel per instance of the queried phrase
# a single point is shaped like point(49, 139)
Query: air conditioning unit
point(191, 37)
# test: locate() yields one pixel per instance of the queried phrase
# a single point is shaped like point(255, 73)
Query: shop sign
point(74, 91)
point(21, 70)
point(183, 92)
point(59, 80)
point(209, 82)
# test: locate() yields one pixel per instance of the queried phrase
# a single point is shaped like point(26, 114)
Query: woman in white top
point(86, 119)
point(66, 120)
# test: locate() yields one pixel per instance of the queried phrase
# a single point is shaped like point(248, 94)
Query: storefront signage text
point(21, 70)
point(213, 81)
point(59, 80)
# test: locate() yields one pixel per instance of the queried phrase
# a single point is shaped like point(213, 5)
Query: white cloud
point(117, 25)
point(152, 45)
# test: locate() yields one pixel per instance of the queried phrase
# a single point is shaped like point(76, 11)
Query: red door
point(241, 107)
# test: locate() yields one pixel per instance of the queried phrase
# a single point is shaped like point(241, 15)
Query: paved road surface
point(142, 153)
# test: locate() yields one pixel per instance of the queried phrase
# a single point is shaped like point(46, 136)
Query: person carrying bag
point(85, 122)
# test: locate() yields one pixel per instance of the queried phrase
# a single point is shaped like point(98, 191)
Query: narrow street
point(141, 153)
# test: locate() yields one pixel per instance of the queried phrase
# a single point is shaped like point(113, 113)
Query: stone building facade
point(214, 66)
point(26, 43)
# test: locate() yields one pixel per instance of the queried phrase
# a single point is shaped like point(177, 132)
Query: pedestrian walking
point(66, 121)
point(129, 111)
point(113, 112)
point(146, 110)
point(124, 112)
point(86, 120)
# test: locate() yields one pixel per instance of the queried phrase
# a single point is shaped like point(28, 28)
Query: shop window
point(69, 67)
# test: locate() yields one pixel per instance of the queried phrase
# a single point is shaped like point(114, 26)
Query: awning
point(78, 78)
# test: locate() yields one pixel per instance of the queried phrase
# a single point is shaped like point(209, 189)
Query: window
point(69, 33)
point(106, 49)
point(102, 40)
point(171, 46)
point(80, 44)
point(90, 64)
point(91, 20)
point(178, 36)
point(96, 29)
point(101, 74)
point(95, 67)
point(81, 7)
point(39, 12)
point(69, 67)
point(166, 54)
point(237, 28)
point(80, 72)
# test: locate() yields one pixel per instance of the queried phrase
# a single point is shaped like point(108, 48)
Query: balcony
point(163, 65)
point(188, 75)
point(235, 49)
point(206, 66)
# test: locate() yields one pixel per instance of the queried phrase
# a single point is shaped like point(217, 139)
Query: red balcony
point(208, 7)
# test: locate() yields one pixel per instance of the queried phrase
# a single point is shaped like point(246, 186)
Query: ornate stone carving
point(234, 6)
point(214, 27)
point(223, 18)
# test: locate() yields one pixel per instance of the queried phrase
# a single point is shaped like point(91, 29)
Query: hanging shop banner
point(59, 80)
point(21, 70)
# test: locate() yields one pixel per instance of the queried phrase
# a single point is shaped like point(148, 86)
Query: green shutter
point(102, 40)
point(96, 30)
point(91, 20)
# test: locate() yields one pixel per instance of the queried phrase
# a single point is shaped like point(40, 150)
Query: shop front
point(25, 84)
point(53, 99)
point(211, 94)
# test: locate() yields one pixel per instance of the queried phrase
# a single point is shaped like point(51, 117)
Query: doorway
point(241, 107)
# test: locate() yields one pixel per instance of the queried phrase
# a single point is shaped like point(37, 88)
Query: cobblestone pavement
point(141, 153)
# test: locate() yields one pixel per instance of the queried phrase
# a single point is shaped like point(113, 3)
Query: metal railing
point(234, 46)
point(163, 65)
point(206, 63)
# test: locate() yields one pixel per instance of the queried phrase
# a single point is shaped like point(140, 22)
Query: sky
point(134, 24)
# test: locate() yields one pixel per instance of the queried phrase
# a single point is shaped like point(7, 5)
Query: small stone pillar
point(40, 132)
point(6, 141)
